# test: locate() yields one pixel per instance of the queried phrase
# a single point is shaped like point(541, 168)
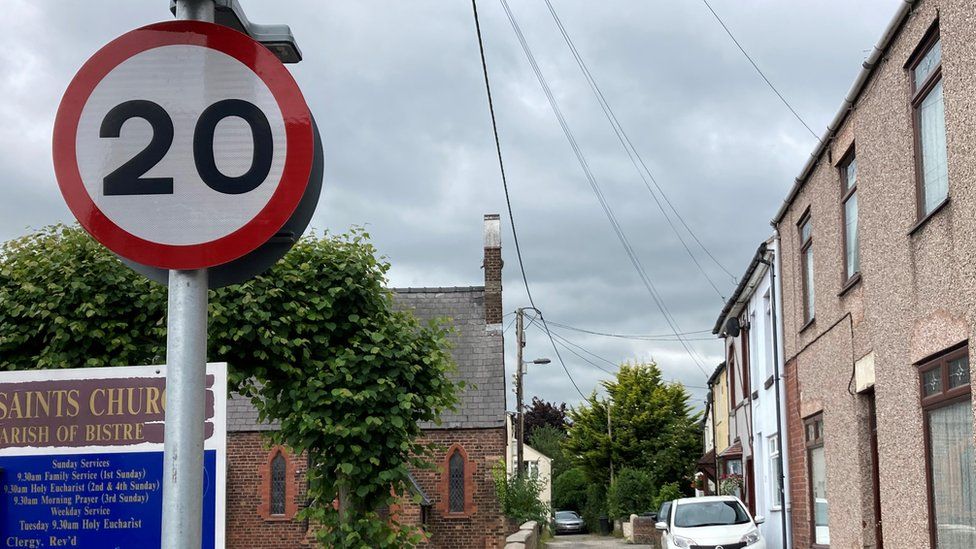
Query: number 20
point(128, 180)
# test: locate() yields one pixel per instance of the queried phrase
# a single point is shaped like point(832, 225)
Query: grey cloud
point(397, 90)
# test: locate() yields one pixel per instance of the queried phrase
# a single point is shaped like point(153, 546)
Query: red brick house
point(266, 485)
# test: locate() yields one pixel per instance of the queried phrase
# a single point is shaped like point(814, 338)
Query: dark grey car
point(569, 522)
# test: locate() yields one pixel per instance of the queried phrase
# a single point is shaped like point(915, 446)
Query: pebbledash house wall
point(476, 430)
point(916, 296)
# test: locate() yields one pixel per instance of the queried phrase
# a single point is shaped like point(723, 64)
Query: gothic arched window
point(278, 484)
point(455, 487)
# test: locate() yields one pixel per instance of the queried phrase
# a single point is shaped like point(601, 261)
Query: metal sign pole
point(186, 377)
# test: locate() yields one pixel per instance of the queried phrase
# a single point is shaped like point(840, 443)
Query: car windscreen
point(709, 513)
point(566, 515)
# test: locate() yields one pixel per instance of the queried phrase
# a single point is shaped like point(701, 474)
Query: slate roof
point(477, 349)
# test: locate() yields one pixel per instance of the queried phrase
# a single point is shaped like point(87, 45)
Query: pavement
point(592, 541)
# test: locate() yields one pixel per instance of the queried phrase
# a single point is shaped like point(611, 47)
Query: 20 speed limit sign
point(183, 145)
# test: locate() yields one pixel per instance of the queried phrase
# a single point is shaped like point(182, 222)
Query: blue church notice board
point(81, 460)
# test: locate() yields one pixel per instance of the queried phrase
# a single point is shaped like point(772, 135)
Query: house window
point(455, 487)
point(932, 173)
point(817, 476)
point(806, 265)
point(734, 467)
point(852, 252)
point(776, 470)
point(278, 486)
point(947, 404)
point(277, 499)
point(733, 391)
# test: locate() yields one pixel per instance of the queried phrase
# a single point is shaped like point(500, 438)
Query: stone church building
point(266, 485)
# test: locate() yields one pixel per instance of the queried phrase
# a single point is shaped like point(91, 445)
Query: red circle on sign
point(264, 225)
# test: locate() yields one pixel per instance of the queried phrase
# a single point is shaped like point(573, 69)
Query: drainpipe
point(776, 384)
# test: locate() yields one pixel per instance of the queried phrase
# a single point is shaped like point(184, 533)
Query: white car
point(710, 522)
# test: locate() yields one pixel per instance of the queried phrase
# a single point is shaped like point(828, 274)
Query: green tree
point(549, 440)
point(632, 492)
point(652, 425)
point(542, 412)
point(595, 507)
point(587, 442)
point(317, 343)
point(519, 496)
point(668, 492)
point(569, 490)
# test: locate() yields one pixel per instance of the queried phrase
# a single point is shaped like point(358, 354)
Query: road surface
point(590, 541)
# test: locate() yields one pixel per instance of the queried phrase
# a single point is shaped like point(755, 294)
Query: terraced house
point(878, 241)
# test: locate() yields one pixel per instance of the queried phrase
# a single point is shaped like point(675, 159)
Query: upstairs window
point(806, 265)
point(931, 159)
point(852, 251)
point(455, 489)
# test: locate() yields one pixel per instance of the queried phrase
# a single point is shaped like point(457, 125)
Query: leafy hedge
point(632, 492)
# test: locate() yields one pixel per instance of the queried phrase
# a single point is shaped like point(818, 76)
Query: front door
point(875, 484)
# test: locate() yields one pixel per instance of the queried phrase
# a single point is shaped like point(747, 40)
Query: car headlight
point(751, 537)
point(684, 543)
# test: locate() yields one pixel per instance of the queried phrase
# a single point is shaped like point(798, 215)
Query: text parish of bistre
point(81, 457)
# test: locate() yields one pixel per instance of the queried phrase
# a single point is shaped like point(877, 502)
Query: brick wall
point(645, 533)
point(480, 526)
point(796, 449)
point(248, 523)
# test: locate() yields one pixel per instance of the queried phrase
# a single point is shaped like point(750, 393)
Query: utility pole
point(519, 377)
point(520, 412)
point(610, 440)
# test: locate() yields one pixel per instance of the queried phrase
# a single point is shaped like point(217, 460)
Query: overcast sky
point(398, 93)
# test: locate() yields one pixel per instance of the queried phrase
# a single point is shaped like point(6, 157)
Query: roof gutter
point(743, 285)
point(867, 68)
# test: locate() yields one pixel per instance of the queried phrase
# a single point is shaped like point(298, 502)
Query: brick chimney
point(493, 270)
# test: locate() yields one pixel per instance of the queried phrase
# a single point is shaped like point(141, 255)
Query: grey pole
point(186, 374)
point(520, 441)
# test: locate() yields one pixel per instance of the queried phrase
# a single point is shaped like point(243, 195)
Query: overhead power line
point(594, 185)
point(639, 337)
point(508, 201)
point(637, 160)
point(758, 70)
point(568, 345)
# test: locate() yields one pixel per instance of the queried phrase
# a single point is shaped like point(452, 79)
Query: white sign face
point(183, 145)
point(183, 81)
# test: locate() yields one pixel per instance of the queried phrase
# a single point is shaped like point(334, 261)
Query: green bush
point(519, 496)
point(569, 490)
point(595, 507)
point(668, 492)
point(631, 492)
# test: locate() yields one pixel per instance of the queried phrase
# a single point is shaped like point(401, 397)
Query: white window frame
point(772, 442)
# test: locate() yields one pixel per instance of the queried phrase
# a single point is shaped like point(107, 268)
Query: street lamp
point(520, 440)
